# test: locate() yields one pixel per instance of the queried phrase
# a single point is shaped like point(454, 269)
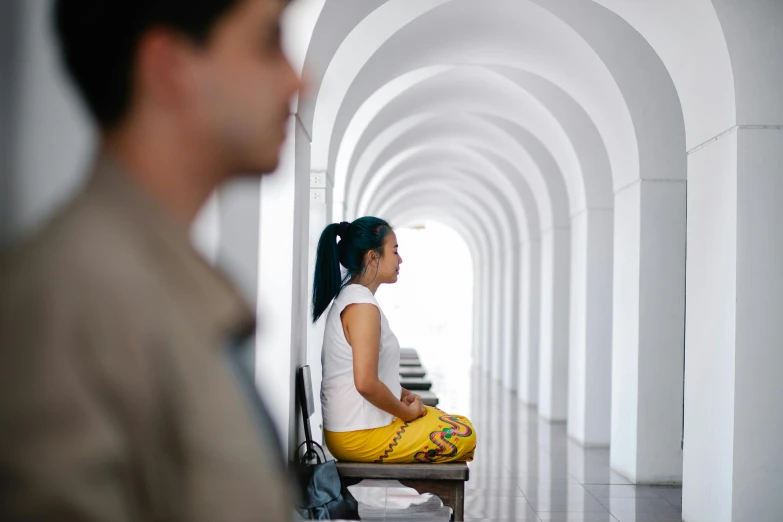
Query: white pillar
point(321, 186)
point(733, 462)
point(510, 315)
point(237, 207)
point(530, 313)
point(489, 324)
point(590, 354)
point(648, 330)
point(282, 281)
point(553, 362)
point(478, 317)
point(496, 317)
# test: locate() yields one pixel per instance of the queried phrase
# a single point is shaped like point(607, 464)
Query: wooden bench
point(415, 384)
point(428, 398)
point(446, 481)
point(412, 371)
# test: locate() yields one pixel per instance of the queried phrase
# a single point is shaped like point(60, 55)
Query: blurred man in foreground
point(118, 400)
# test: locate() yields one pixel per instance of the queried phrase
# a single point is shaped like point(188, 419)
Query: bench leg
point(450, 492)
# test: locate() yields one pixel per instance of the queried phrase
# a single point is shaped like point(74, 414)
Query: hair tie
point(343, 230)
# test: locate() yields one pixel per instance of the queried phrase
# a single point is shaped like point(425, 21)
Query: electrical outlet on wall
point(318, 180)
point(318, 195)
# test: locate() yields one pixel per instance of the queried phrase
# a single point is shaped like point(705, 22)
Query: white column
point(237, 208)
point(553, 362)
point(733, 463)
point(489, 312)
point(496, 314)
point(477, 315)
point(321, 185)
point(648, 330)
point(529, 321)
point(590, 354)
point(510, 315)
point(48, 138)
point(282, 281)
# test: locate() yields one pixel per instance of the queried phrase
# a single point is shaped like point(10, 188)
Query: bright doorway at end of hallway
point(430, 308)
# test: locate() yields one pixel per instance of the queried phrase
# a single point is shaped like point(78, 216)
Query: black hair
point(99, 40)
point(356, 239)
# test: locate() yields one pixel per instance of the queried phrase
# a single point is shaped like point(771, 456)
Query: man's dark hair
point(99, 39)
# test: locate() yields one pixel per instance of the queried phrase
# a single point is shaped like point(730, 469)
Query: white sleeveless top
point(344, 408)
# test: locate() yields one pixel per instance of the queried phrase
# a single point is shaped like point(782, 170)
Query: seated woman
point(368, 416)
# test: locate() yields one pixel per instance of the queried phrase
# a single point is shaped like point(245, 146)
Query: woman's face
point(389, 263)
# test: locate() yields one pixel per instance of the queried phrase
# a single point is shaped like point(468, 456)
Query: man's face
point(242, 87)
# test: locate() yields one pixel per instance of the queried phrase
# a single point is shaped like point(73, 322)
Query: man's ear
point(164, 68)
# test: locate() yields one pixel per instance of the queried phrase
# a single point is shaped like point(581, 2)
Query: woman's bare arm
point(362, 327)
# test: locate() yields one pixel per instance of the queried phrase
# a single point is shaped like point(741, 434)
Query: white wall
point(577, 356)
point(590, 357)
point(625, 328)
point(52, 133)
point(758, 400)
point(711, 333)
point(235, 211)
point(10, 58)
point(649, 317)
point(661, 331)
point(734, 394)
point(320, 193)
point(598, 395)
point(530, 323)
point(281, 337)
point(555, 289)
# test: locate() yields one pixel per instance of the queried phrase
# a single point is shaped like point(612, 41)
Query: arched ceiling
point(556, 105)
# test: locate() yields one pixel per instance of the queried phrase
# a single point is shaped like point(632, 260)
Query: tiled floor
point(525, 469)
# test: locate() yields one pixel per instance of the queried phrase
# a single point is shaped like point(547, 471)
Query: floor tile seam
point(670, 502)
point(657, 497)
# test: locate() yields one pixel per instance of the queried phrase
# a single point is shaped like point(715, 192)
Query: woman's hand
point(414, 408)
point(408, 399)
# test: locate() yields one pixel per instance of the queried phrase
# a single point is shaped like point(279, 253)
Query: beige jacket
point(116, 399)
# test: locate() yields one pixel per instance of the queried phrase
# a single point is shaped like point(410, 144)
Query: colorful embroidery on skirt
point(393, 444)
point(440, 439)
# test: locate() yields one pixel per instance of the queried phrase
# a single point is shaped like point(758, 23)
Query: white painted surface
point(711, 333)
point(577, 352)
point(625, 331)
point(647, 357)
point(555, 288)
point(599, 328)
point(237, 217)
point(705, 80)
point(205, 232)
point(661, 331)
point(530, 324)
point(590, 353)
point(758, 400)
point(282, 282)
point(55, 139)
point(753, 36)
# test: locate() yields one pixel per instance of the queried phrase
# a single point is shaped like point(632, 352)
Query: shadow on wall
point(9, 67)
point(46, 136)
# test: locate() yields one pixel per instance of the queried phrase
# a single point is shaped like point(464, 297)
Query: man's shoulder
point(86, 244)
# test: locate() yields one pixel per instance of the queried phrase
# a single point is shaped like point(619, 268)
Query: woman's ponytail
point(356, 239)
point(327, 280)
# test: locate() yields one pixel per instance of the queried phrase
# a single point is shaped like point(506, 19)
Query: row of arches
point(559, 138)
point(614, 167)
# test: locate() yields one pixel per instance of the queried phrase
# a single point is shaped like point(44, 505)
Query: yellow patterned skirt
point(435, 438)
